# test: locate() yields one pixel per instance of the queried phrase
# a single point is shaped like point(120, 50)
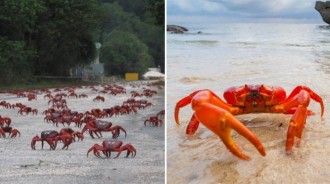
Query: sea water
point(226, 55)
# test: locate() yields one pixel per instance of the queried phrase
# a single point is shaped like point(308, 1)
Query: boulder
point(176, 29)
point(324, 9)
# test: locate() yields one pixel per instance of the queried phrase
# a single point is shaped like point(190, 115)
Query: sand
point(20, 164)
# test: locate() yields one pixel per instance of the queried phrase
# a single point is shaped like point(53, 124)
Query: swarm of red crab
point(58, 112)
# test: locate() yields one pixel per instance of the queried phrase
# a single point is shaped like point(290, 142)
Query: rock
point(324, 9)
point(176, 29)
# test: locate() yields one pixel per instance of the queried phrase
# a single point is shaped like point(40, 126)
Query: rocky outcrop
point(176, 29)
point(324, 9)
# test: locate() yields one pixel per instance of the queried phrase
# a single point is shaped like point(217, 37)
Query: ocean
point(221, 55)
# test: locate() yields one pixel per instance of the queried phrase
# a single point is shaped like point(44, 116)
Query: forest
point(50, 37)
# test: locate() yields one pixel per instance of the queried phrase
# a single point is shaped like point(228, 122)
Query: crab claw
point(221, 122)
point(213, 113)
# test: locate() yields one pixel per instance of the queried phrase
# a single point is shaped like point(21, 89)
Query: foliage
point(14, 60)
point(116, 18)
point(65, 37)
point(49, 37)
point(123, 52)
point(154, 13)
point(17, 20)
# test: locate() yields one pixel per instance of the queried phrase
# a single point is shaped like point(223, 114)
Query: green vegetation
point(50, 37)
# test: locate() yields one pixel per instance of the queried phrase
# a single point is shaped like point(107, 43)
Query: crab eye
point(246, 88)
point(242, 91)
point(265, 90)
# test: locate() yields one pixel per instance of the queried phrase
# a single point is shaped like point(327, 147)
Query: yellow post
point(131, 76)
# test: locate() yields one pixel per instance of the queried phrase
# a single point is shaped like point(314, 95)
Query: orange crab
point(218, 115)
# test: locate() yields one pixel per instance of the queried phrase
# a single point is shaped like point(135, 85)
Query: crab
point(98, 126)
point(27, 110)
point(153, 120)
point(52, 137)
point(73, 94)
point(109, 146)
point(218, 115)
point(7, 129)
point(98, 99)
point(5, 120)
point(48, 135)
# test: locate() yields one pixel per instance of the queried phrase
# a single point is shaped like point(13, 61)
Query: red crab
point(7, 129)
point(109, 146)
point(217, 115)
point(98, 99)
point(72, 133)
point(52, 137)
point(82, 96)
point(5, 120)
point(73, 94)
point(153, 120)
point(27, 110)
point(48, 135)
point(98, 126)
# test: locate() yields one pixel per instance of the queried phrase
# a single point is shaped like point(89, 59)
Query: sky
point(247, 10)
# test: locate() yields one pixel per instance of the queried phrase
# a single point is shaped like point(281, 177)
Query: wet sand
point(20, 164)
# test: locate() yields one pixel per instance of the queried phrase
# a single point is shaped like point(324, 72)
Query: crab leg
point(296, 126)
point(2, 133)
point(294, 109)
point(183, 102)
point(221, 122)
point(312, 94)
point(192, 126)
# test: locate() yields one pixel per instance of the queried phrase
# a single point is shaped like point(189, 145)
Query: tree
point(116, 18)
point(17, 22)
point(123, 52)
point(155, 12)
point(49, 37)
point(66, 36)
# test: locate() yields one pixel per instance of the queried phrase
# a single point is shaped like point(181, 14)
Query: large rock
point(176, 29)
point(324, 9)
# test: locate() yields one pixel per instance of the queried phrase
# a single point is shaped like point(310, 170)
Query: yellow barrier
point(131, 76)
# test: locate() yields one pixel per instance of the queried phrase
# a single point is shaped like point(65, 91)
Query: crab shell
point(254, 95)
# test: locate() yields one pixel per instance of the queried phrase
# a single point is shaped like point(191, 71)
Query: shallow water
point(226, 55)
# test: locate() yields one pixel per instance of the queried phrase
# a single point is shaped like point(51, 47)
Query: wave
point(299, 45)
point(191, 80)
point(207, 42)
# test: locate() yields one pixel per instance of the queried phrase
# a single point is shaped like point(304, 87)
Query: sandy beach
point(20, 164)
point(228, 55)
